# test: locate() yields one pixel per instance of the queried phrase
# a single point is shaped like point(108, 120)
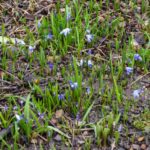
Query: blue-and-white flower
point(88, 31)
point(66, 31)
point(68, 16)
point(18, 117)
point(89, 38)
point(31, 49)
point(137, 57)
point(20, 42)
point(41, 115)
point(88, 90)
point(73, 85)
point(81, 63)
point(61, 96)
point(5, 108)
point(39, 24)
point(129, 70)
point(90, 63)
point(136, 93)
point(49, 36)
point(15, 107)
point(89, 51)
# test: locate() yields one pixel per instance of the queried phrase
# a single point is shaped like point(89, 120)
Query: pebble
point(139, 1)
point(141, 138)
point(143, 146)
point(57, 138)
point(59, 113)
point(121, 148)
point(135, 147)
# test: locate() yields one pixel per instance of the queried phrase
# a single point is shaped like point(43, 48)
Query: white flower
point(89, 38)
point(136, 93)
point(81, 62)
point(18, 117)
point(66, 31)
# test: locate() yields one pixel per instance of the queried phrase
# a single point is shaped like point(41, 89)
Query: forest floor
point(75, 74)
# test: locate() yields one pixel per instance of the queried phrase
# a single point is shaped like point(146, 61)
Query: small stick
point(139, 78)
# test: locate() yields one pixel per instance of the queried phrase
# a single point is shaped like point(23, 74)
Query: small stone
point(34, 141)
point(101, 19)
point(139, 1)
point(135, 147)
point(53, 121)
point(85, 133)
point(140, 139)
point(57, 138)
point(80, 142)
point(135, 44)
point(143, 146)
point(59, 113)
point(41, 141)
point(121, 148)
point(148, 148)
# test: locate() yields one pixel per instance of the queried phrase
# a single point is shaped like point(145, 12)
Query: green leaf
point(87, 112)
point(58, 131)
point(27, 108)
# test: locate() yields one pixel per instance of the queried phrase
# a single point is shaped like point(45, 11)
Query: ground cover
point(74, 74)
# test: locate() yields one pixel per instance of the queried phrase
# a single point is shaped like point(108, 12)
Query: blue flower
point(15, 108)
point(68, 17)
point(39, 24)
point(136, 93)
point(78, 116)
point(90, 63)
point(41, 115)
point(89, 38)
point(66, 31)
point(31, 49)
point(137, 57)
point(21, 102)
point(61, 96)
point(5, 108)
point(49, 36)
point(73, 85)
point(89, 51)
point(51, 66)
point(88, 90)
point(129, 70)
point(120, 128)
